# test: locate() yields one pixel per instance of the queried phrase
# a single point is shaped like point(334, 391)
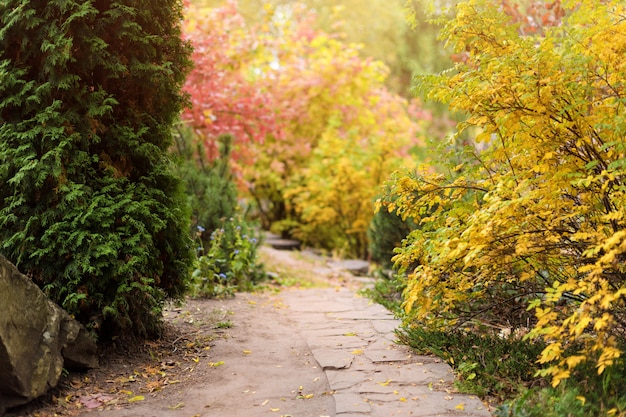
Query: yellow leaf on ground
point(461, 407)
point(136, 398)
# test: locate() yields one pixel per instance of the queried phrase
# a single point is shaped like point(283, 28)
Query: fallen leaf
point(76, 384)
point(177, 406)
point(265, 402)
point(350, 334)
point(273, 410)
point(402, 399)
point(136, 398)
point(384, 384)
point(357, 351)
point(215, 364)
point(94, 401)
point(460, 407)
point(247, 352)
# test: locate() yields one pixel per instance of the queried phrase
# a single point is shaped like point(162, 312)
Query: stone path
point(353, 341)
point(312, 352)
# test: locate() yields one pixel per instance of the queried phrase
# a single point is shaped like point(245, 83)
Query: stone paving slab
point(370, 375)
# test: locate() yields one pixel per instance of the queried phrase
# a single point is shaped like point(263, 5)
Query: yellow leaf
point(357, 352)
point(274, 409)
point(384, 384)
point(402, 399)
point(215, 364)
point(247, 352)
point(460, 406)
point(136, 398)
point(308, 396)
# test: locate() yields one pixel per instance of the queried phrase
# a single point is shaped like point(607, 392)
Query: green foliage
point(585, 394)
point(228, 244)
point(89, 206)
point(210, 185)
point(486, 364)
point(387, 290)
point(548, 402)
point(230, 263)
point(386, 232)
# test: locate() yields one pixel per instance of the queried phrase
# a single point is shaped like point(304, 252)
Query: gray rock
point(37, 340)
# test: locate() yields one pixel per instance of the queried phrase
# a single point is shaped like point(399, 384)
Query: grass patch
point(292, 269)
point(502, 371)
point(387, 290)
point(486, 364)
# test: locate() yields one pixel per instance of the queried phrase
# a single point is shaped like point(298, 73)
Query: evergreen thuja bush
point(210, 185)
point(385, 234)
point(89, 205)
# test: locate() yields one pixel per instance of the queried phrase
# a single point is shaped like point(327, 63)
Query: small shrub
point(386, 232)
point(211, 189)
point(229, 263)
point(584, 394)
point(387, 290)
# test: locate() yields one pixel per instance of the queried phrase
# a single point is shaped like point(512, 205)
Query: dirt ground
point(234, 345)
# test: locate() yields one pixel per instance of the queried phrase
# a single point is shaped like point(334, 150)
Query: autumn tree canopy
point(315, 129)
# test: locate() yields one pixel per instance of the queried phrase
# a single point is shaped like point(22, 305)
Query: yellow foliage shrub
point(536, 215)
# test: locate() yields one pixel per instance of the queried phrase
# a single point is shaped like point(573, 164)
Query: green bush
point(229, 262)
point(211, 189)
point(227, 242)
point(385, 233)
point(90, 208)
